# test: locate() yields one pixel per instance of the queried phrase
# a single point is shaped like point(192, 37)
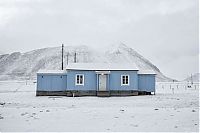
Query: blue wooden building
point(99, 79)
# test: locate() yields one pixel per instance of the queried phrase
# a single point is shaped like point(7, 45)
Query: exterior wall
point(66, 82)
point(146, 82)
point(51, 82)
point(115, 80)
point(90, 80)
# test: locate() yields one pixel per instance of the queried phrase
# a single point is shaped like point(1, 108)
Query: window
point(125, 80)
point(79, 79)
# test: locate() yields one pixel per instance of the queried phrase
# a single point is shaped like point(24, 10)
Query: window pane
point(127, 80)
point(77, 79)
point(81, 79)
point(123, 79)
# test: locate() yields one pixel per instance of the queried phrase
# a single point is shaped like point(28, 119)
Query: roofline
point(52, 73)
point(147, 74)
point(103, 69)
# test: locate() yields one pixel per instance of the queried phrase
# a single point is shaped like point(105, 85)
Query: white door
point(102, 82)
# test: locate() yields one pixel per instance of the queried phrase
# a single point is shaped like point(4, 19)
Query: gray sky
point(163, 31)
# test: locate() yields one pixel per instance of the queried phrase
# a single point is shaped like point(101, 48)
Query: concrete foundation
point(50, 93)
point(76, 93)
point(144, 93)
point(103, 93)
point(123, 93)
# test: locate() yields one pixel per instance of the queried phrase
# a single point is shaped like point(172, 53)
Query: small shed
point(51, 82)
point(146, 81)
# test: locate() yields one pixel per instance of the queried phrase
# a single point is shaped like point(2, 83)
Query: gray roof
point(101, 66)
point(96, 67)
point(52, 72)
point(146, 72)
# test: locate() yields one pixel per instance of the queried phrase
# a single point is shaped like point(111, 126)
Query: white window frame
point(79, 79)
point(125, 80)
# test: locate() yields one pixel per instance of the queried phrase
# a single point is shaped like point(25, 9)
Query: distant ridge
point(194, 78)
point(25, 65)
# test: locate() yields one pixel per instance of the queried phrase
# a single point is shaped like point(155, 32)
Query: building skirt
point(77, 93)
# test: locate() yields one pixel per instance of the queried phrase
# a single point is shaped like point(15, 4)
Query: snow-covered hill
point(194, 78)
point(25, 65)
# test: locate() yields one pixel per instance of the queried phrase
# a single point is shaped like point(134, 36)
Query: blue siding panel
point(51, 82)
point(115, 80)
point(46, 83)
point(59, 83)
point(146, 82)
point(90, 80)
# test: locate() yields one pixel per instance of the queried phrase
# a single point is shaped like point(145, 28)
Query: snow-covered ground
point(173, 108)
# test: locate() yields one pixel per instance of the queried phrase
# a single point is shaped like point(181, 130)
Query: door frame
point(105, 89)
point(107, 73)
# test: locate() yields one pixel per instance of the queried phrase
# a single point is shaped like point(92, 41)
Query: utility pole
point(62, 55)
point(75, 57)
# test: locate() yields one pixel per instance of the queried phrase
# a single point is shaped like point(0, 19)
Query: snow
point(170, 110)
point(146, 72)
point(102, 72)
point(52, 72)
point(101, 66)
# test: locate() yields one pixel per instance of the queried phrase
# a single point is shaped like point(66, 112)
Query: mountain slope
point(25, 65)
point(194, 78)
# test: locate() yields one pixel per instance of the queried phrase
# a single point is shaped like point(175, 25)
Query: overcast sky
point(163, 31)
